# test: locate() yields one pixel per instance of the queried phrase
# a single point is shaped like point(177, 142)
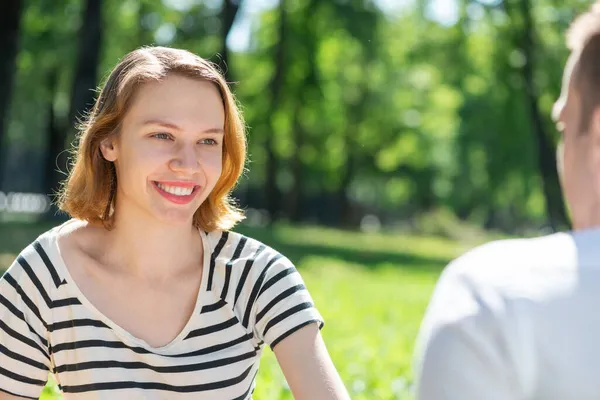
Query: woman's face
point(168, 153)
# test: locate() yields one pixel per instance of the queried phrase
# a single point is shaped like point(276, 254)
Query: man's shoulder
point(490, 285)
point(517, 265)
point(508, 253)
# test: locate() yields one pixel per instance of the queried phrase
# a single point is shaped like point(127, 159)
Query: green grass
point(371, 289)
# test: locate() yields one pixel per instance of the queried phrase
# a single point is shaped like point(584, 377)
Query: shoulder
point(488, 300)
point(35, 257)
point(32, 277)
point(235, 249)
point(515, 267)
point(245, 268)
point(266, 290)
point(481, 286)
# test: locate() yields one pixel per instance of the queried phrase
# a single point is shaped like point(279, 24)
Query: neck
point(586, 215)
point(147, 248)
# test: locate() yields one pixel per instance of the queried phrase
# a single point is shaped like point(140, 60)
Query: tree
point(272, 192)
point(228, 14)
point(144, 33)
point(10, 21)
point(82, 92)
point(545, 149)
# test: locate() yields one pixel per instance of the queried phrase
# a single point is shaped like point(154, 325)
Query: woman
point(146, 293)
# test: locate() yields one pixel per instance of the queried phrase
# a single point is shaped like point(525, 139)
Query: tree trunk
point(52, 131)
point(230, 10)
point(356, 114)
point(345, 208)
point(545, 149)
point(144, 34)
point(272, 192)
point(82, 96)
point(306, 90)
point(10, 19)
point(296, 194)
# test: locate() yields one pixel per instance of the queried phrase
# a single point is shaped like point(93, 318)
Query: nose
point(185, 160)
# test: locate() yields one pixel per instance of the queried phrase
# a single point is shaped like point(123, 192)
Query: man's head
point(577, 113)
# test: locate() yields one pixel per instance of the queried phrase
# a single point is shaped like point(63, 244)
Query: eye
point(209, 141)
point(162, 136)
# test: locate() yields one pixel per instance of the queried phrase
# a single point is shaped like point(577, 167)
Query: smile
point(179, 193)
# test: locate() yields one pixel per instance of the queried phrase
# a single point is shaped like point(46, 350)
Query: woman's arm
point(307, 367)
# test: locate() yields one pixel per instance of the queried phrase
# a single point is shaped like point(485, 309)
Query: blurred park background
point(385, 137)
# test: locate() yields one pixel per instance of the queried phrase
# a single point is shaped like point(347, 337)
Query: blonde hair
point(89, 191)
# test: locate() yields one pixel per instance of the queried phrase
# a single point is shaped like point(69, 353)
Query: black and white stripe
point(252, 296)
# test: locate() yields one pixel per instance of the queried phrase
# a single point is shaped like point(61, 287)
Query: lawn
point(372, 290)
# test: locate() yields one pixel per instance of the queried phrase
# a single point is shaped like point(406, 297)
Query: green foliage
point(398, 111)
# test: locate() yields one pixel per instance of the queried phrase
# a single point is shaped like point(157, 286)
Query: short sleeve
point(24, 356)
point(283, 305)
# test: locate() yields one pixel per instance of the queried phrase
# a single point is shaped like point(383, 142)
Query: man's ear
point(594, 126)
point(594, 147)
point(108, 148)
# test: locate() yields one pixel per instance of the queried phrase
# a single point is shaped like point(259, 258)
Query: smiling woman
point(146, 292)
point(155, 101)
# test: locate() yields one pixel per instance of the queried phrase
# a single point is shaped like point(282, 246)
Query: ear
point(108, 148)
point(594, 148)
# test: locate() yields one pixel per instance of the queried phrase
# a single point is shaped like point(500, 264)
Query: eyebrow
point(177, 128)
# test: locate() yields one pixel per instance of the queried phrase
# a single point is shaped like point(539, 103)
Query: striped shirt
point(250, 295)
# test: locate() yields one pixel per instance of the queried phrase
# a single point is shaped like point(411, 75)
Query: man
point(520, 319)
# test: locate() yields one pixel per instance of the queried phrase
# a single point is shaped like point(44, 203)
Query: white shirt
point(515, 319)
point(250, 296)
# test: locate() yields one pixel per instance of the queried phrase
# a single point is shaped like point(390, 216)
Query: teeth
point(176, 190)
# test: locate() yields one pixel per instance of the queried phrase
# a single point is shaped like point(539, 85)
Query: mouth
point(177, 192)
